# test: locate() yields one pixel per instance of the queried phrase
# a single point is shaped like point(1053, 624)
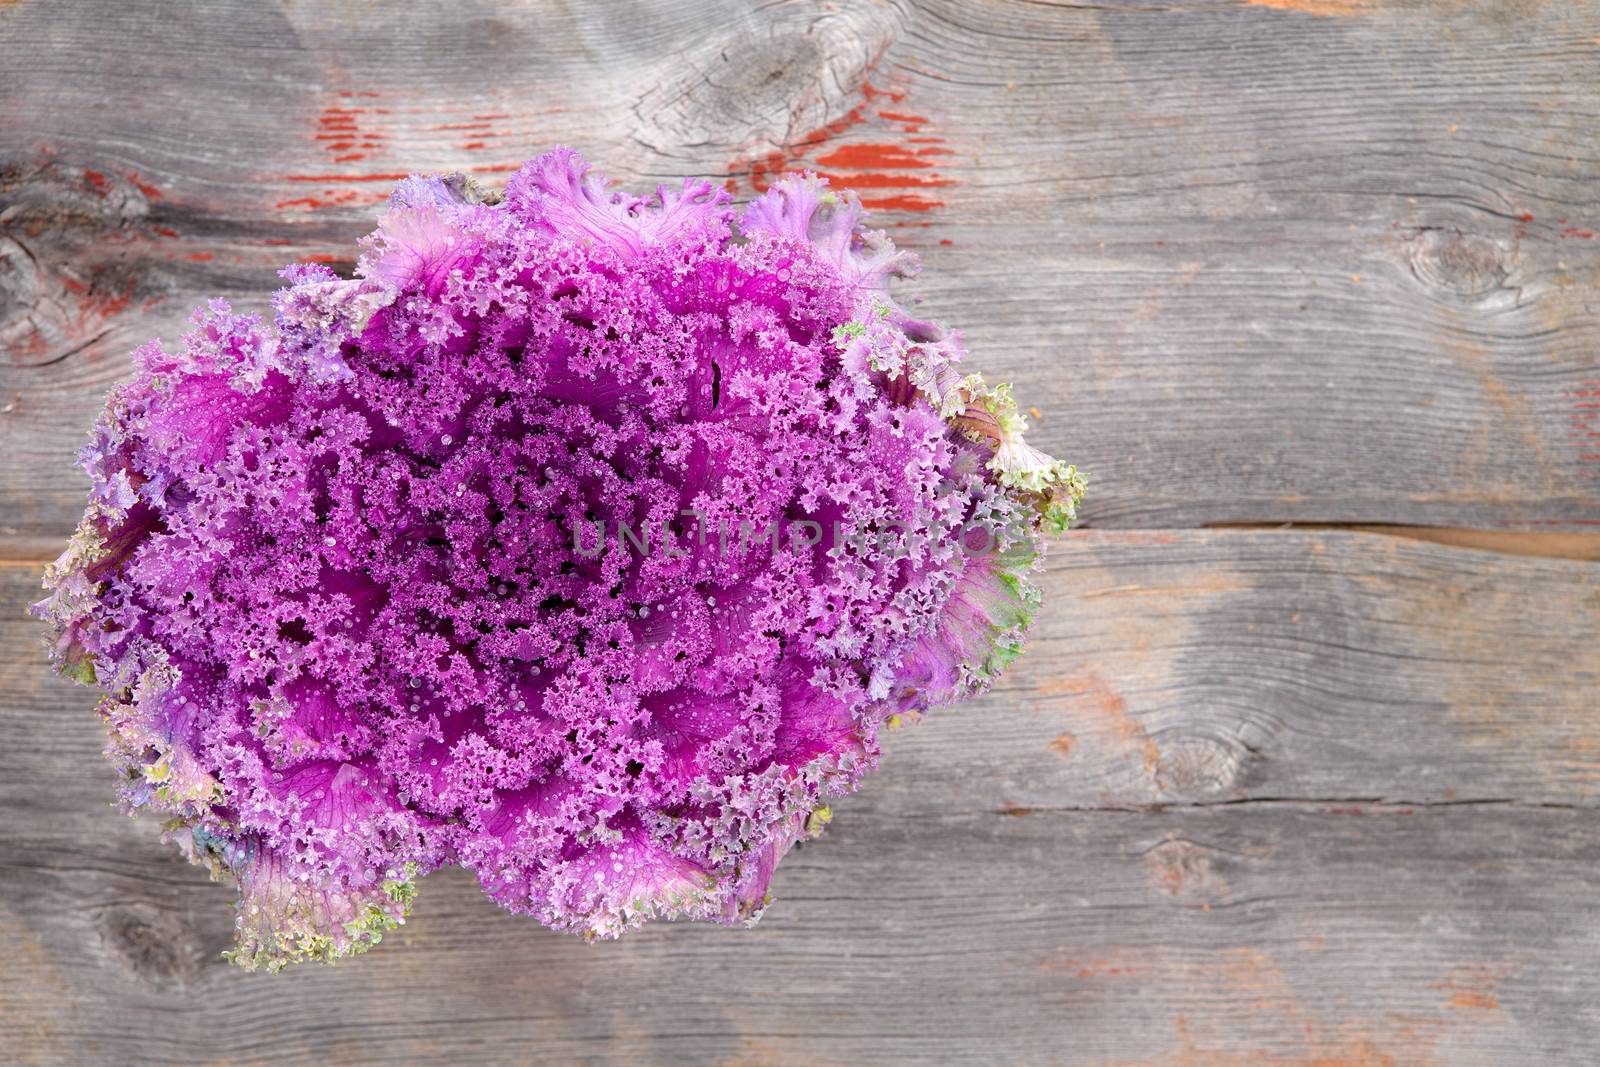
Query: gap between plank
point(1548, 544)
point(37, 552)
point(1352, 806)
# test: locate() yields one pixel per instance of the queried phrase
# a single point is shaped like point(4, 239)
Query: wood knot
point(154, 946)
point(763, 90)
point(1199, 768)
point(65, 270)
point(1466, 267)
point(1186, 869)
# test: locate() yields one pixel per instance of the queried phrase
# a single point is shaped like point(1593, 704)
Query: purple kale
point(584, 540)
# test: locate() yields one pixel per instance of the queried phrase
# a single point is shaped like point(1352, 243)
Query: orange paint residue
point(1112, 709)
point(1320, 8)
point(1472, 990)
point(1468, 1002)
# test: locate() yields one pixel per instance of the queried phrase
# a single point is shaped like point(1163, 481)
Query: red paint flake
point(888, 181)
point(109, 306)
point(491, 118)
point(348, 93)
point(871, 156)
point(1525, 217)
point(333, 198)
point(73, 285)
point(200, 257)
point(888, 167)
point(150, 191)
point(319, 257)
point(391, 177)
point(946, 241)
point(97, 180)
point(901, 203)
point(341, 132)
point(1573, 231)
point(305, 201)
point(165, 231)
point(473, 146)
point(894, 93)
point(775, 163)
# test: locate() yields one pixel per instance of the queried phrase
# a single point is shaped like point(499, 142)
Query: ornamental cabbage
point(584, 540)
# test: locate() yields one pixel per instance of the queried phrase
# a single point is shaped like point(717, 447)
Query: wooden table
point(1302, 767)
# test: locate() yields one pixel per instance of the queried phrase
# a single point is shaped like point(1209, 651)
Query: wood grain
point(1251, 263)
point(1299, 797)
point(1286, 798)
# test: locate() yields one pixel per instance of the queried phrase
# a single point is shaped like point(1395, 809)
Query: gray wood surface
point(1250, 263)
point(1276, 797)
point(1238, 805)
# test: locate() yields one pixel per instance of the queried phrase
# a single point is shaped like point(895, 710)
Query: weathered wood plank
point(1260, 936)
point(1202, 667)
point(1251, 263)
point(1286, 798)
